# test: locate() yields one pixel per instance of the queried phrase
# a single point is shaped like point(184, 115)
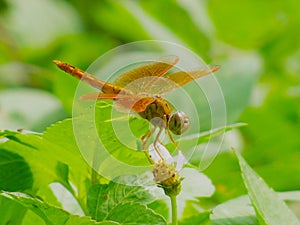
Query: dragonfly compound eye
point(179, 123)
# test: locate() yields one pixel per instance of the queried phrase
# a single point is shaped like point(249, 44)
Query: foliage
point(45, 178)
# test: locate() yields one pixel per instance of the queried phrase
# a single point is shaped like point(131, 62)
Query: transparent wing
point(175, 80)
point(153, 70)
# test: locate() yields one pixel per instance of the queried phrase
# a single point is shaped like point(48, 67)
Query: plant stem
point(95, 166)
point(174, 209)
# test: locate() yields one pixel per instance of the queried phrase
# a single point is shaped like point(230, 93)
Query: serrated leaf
point(103, 198)
point(135, 213)
point(50, 214)
point(43, 157)
point(129, 188)
point(106, 142)
point(8, 133)
point(160, 207)
point(270, 209)
point(116, 137)
point(53, 157)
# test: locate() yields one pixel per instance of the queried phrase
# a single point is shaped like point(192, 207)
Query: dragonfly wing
point(180, 78)
point(153, 69)
point(124, 103)
point(99, 96)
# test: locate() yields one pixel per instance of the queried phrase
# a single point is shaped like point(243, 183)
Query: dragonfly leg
point(171, 138)
point(145, 138)
point(169, 133)
point(158, 141)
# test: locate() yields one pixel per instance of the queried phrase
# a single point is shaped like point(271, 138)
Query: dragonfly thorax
point(159, 113)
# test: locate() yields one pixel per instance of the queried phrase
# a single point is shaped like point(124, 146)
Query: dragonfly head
point(178, 123)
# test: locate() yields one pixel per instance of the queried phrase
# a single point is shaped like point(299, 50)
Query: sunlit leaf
point(50, 214)
point(269, 208)
point(200, 219)
point(240, 210)
point(128, 213)
point(103, 198)
point(14, 212)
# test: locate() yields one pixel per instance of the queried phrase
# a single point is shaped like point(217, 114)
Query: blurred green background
point(257, 42)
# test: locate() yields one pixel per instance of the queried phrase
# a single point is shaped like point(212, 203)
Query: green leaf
point(191, 141)
point(269, 207)
point(8, 133)
point(44, 158)
point(117, 20)
point(54, 157)
point(237, 211)
point(110, 147)
point(103, 198)
point(279, 157)
point(97, 201)
point(188, 31)
point(67, 142)
point(290, 195)
point(15, 173)
point(190, 144)
point(160, 207)
point(238, 24)
point(200, 219)
point(195, 184)
point(116, 137)
point(11, 212)
point(30, 217)
point(50, 214)
point(135, 213)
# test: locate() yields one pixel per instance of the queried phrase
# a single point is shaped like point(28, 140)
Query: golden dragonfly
point(140, 90)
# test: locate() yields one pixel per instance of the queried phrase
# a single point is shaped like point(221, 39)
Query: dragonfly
point(140, 90)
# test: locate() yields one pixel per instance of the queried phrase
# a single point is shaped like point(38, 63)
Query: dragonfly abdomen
point(105, 87)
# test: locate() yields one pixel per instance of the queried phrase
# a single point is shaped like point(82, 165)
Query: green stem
point(95, 175)
point(174, 209)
